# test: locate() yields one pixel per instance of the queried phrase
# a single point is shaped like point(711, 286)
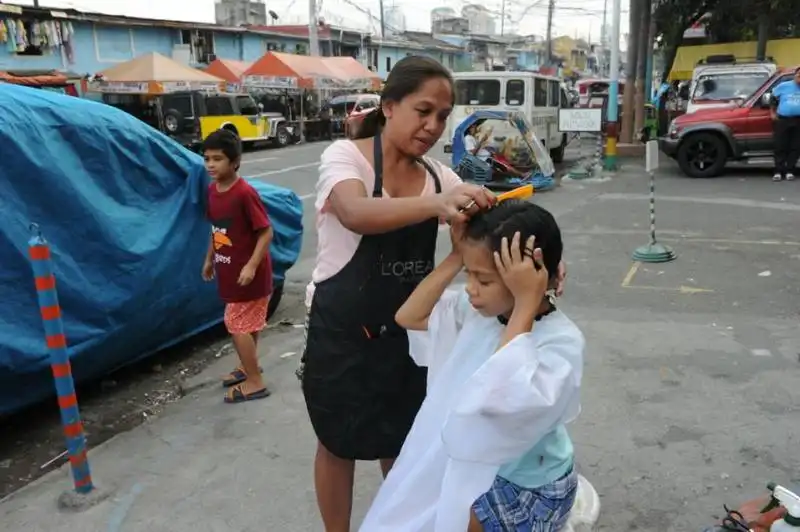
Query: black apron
point(362, 389)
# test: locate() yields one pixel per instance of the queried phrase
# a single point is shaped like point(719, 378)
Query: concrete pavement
point(690, 396)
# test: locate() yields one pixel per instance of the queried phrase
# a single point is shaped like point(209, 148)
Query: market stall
point(290, 76)
point(353, 74)
point(155, 74)
point(229, 70)
point(161, 92)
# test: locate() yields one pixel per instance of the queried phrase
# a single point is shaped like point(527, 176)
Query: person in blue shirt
point(786, 127)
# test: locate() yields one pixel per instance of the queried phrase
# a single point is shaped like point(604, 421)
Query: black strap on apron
point(377, 163)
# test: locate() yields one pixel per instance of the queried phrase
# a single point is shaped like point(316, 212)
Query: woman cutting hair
point(379, 203)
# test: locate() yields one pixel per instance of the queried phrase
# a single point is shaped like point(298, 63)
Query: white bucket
point(586, 509)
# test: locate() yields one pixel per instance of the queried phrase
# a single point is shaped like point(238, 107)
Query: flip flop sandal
point(236, 376)
point(237, 395)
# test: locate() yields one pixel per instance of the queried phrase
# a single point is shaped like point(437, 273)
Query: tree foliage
point(739, 21)
point(742, 20)
point(672, 18)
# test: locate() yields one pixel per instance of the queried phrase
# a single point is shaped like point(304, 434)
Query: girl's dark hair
point(405, 78)
point(529, 219)
point(227, 142)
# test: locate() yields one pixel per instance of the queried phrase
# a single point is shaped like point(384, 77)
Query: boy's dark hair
point(227, 142)
point(405, 78)
point(529, 219)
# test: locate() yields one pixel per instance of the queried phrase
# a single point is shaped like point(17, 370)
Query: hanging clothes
point(21, 36)
point(67, 38)
point(55, 29)
point(11, 44)
point(3, 32)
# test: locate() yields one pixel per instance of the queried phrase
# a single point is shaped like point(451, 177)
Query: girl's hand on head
point(463, 201)
point(522, 269)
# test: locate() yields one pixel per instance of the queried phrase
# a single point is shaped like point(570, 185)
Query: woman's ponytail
point(371, 124)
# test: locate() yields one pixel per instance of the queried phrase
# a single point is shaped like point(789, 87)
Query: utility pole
point(313, 28)
point(628, 100)
point(550, 9)
point(603, 42)
point(383, 21)
point(612, 114)
point(641, 64)
point(502, 17)
point(651, 42)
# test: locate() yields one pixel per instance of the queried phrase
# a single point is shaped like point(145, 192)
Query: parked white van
point(537, 96)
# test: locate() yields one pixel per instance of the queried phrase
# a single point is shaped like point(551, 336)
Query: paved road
point(690, 396)
point(295, 167)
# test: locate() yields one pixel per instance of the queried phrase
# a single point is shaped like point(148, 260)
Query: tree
point(674, 17)
point(755, 20)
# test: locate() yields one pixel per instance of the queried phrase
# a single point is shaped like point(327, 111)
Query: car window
point(338, 108)
point(780, 80)
point(555, 96)
point(179, 102)
point(247, 106)
point(219, 106)
point(515, 92)
point(564, 97)
point(728, 86)
point(478, 92)
point(540, 92)
point(366, 104)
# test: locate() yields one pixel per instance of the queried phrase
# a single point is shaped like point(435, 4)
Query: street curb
point(63, 472)
point(199, 382)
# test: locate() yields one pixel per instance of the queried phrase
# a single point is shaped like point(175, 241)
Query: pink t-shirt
point(336, 244)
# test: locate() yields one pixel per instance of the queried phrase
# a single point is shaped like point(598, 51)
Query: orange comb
point(523, 192)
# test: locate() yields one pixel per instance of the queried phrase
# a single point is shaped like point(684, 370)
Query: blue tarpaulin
point(122, 207)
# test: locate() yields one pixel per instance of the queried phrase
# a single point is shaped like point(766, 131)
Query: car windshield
point(730, 86)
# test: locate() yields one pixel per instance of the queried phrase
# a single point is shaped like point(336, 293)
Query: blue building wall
point(96, 47)
point(529, 60)
point(388, 56)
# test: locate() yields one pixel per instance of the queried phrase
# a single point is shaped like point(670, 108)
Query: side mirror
point(766, 99)
point(260, 107)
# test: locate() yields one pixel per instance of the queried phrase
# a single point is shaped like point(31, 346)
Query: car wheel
point(703, 155)
point(558, 154)
point(172, 121)
point(275, 298)
point(283, 136)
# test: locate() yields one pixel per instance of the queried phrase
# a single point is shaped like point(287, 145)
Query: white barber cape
point(483, 409)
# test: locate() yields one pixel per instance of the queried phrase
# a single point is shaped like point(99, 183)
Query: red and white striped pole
point(50, 310)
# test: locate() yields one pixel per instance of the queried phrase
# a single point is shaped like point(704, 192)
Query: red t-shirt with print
point(237, 218)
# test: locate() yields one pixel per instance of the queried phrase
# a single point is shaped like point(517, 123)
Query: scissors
point(734, 521)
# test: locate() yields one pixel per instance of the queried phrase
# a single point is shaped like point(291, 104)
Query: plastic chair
point(471, 168)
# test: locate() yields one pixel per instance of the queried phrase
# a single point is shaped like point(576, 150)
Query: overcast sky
point(573, 17)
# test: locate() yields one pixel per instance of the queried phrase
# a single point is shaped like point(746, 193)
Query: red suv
point(703, 142)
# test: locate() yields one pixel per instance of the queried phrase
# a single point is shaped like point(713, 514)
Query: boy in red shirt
point(238, 256)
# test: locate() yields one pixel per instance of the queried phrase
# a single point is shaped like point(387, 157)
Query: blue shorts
point(507, 507)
